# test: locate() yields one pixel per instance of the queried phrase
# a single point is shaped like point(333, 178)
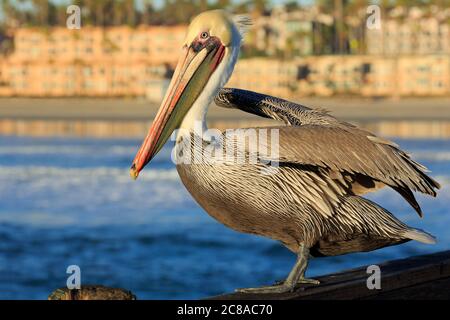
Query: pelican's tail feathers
point(419, 235)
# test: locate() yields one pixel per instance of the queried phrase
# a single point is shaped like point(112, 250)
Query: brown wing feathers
point(313, 137)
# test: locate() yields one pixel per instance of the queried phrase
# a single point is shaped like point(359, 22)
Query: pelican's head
point(207, 60)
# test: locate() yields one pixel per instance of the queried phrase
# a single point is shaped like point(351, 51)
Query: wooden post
point(91, 292)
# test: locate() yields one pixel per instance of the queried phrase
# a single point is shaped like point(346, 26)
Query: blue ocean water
point(71, 201)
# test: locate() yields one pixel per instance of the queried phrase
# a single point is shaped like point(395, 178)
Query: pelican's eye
point(204, 35)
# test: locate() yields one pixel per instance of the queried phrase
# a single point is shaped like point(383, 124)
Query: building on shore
point(268, 75)
point(403, 30)
point(124, 61)
point(4, 85)
point(411, 31)
point(424, 75)
point(369, 76)
point(157, 44)
point(288, 33)
point(117, 61)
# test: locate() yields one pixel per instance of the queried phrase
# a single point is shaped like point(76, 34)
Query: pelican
point(312, 203)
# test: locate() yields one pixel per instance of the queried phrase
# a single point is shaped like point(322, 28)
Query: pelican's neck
point(196, 115)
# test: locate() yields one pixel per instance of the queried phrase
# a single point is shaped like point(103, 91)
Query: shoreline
point(130, 118)
point(138, 129)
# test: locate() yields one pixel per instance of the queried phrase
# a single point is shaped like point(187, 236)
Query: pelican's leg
point(296, 276)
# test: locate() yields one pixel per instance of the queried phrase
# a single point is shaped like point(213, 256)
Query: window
point(87, 71)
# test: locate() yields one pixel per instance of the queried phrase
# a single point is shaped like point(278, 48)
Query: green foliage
point(108, 12)
point(340, 37)
point(120, 12)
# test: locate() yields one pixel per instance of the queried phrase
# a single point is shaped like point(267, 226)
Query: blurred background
point(76, 103)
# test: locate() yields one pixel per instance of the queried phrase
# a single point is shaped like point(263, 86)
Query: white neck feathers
point(197, 113)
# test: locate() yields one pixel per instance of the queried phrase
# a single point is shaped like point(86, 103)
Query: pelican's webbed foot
point(296, 277)
point(281, 287)
point(308, 281)
point(278, 288)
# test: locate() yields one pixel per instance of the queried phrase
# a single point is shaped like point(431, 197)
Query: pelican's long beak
point(192, 73)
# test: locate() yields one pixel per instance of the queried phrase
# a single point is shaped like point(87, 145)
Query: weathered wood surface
point(421, 277)
point(91, 292)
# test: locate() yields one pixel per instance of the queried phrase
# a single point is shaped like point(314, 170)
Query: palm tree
point(148, 12)
point(130, 12)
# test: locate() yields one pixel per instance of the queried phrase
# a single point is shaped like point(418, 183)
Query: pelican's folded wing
point(315, 138)
point(271, 107)
point(354, 151)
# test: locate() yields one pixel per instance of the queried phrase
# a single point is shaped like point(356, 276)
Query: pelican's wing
point(352, 157)
point(355, 161)
point(315, 138)
point(271, 107)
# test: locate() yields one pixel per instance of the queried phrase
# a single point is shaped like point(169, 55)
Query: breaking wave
point(27, 172)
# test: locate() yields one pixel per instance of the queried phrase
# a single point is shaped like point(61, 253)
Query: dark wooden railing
point(421, 277)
